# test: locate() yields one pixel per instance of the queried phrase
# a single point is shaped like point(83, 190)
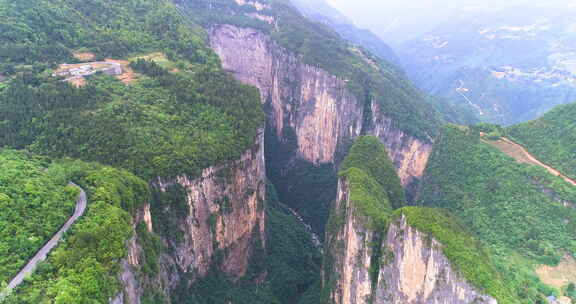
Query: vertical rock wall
point(307, 107)
point(415, 271)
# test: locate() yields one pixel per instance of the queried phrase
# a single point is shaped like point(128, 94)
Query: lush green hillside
point(41, 33)
point(517, 210)
point(369, 155)
point(161, 126)
point(551, 138)
point(35, 201)
point(180, 115)
point(84, 269)
point(166, 123)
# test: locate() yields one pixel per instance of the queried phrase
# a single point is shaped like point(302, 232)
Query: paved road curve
point(42, 254)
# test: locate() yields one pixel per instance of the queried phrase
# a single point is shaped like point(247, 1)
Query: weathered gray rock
point(412, 269)
point(415, 271)
point(308, 106)
point(226, 214)
point(351, 249)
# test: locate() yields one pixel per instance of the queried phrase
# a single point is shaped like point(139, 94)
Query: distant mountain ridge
point(505, 66)
point(323, 12)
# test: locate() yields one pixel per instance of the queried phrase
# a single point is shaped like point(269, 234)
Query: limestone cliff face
point(305, 104)
point(225, 216)
point(400, 266)
point(414, 270)
point(223, 223)
point(131, 288)
point(350, 249)
point(409, 154)
point(309, 110)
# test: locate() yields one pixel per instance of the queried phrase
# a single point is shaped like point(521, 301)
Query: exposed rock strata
point(308, 108)
point(414, 270)
point(225, 218)
point(411, 267)
point(225, 215)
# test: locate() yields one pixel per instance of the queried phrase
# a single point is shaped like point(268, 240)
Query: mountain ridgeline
point(246, 152)
point(505, 62)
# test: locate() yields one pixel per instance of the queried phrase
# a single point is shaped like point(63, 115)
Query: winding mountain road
point(42, 254)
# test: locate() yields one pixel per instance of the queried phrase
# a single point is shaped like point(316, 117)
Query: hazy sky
point(389, 17)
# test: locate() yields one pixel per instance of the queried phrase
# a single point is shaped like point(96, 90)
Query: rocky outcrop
point(414, 270)
point(351, 250)
point(305, 104)
point(312, 120)
point(400, 266)
point(223, 222)
point(409, 154)
point(225, 218)
point(312, 113)
point(131, 288)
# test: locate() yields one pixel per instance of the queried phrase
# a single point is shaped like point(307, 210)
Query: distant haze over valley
point(399, 21)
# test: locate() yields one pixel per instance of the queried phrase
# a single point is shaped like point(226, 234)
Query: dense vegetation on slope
point(369, 155)
point(161, 126)
point(35, 202)
point(41, 33)
point(374, 190)
point(551, 138)
point(176, 119)
point(369, 78)
point(461, 249)
point(84, 269)
point(517, 210)
point(165, 124)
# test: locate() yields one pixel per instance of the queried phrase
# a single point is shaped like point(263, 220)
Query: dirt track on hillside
point(520, 154)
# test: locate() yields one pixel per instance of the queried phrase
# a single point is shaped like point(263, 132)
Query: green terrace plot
point(35, 200)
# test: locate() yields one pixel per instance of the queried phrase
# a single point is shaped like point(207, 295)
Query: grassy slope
point(551, 138)
point(513, 208)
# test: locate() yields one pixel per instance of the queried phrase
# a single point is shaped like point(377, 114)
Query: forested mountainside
point(523, 214)
point(552, 138)
point(36, 201)
point(507, 64)
point(236, 152)
point(160, 125)
point(320, 92)
point(25, 188)
point(169, 117)
point(379, 252)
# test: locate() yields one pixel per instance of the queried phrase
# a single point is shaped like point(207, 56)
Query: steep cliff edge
point(315, 105)
point(408, 256)
point(313, 117)
point(415, 270)
point(213, 222)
